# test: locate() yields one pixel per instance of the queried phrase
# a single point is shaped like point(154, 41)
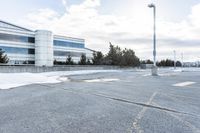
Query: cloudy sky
point(127, 23)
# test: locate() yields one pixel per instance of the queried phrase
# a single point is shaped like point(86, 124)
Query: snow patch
point(100, 80)
point(11, 80)
point(184, 84)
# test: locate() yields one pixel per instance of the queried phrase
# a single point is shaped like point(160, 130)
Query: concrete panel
point(43, 48)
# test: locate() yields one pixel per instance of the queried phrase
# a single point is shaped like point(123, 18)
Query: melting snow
point(11, 80)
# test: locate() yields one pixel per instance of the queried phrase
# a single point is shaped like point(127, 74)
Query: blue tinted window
point(68, 44)
point(21, 62)
point(65, 54)
point(14, 50)
point(16, 38)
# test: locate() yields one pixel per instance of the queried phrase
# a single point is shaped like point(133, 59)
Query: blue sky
point(127, 23)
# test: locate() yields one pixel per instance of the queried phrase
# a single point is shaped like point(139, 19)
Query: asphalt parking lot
point(127, 101)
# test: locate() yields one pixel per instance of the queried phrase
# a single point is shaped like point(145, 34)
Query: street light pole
point(182, 60)
point(154, 36)
point(174, 59)
point(154, 69)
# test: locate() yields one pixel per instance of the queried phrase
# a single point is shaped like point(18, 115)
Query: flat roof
point(15, 26)
point(56, 36)
point(67, 37)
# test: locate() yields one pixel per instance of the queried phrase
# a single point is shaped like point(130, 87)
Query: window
point(68, 44)
point(21, 62)
point(66, 53)
point(14, 50)
point(16, 38)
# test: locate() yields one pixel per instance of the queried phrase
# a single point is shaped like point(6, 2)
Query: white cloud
point(41, 19)
point(64, 2)
point(84, 20)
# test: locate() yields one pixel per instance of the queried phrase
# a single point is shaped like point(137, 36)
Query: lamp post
point(174, 59)
point(154, 69)
point(182, 60)
point(198, 62)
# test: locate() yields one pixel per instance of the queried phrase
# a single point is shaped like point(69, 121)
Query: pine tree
point(114, 55)
point(69, 60)
point(82, 60)
point(129, 58)
point(3, 57)
point(98, 58)
point(88, 62)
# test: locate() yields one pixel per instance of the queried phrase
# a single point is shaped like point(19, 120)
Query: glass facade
point(21, 62)
point(16, 38)
point(68, 44)
point(14, 50)
point(67, 53)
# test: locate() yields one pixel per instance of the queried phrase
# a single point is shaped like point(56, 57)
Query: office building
point(39, 47)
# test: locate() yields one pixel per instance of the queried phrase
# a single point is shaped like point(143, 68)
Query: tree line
point(69, 61)
point(115, 56)
point(169, 63)
point(163, 63)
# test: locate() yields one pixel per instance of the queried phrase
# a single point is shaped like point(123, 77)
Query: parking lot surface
point(126, 101)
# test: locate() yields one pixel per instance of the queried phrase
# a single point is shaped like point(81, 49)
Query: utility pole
point(182, 60)
point(154, 69)
point(174, 59)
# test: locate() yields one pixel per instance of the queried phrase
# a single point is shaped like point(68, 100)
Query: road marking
point(146, 75)
point(140, 115)
point(168, 74)
point(182, 84)
point(194, 129)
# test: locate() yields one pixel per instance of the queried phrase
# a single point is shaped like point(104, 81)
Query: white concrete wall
point(43, 48)
point(89, 54)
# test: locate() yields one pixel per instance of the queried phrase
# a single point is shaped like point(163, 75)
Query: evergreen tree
point(98, 58)
point(146, 62)
point(149, 62)
point(55, 62)
point(178, 64)
point(119, 57)
point(82, 60)
point(114, 55)
point(88, 62)
point(3, 57)
point(69, 60)
point(129, 58)
point(168, 63)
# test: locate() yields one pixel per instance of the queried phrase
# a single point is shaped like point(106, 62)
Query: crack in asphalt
point(140, 115)
point(194, 128)
point(125, 101)
point(146, 105)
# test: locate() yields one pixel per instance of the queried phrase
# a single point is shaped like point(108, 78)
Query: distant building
point(146, 66)
point(40, 47)
point(191, 64)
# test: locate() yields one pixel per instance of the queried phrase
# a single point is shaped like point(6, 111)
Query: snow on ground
point(81, 72)
point(179, 69)
point(101, 80)
point(191, 69)
point(11, 80)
